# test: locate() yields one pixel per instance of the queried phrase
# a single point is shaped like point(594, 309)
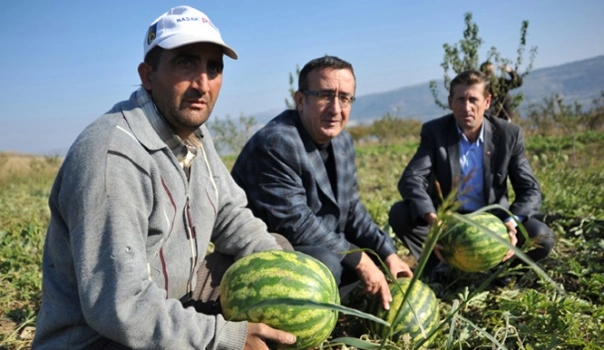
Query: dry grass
point(11, 163)
point(15, 165)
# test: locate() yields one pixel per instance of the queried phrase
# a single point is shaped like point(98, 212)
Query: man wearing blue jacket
point(299, 174)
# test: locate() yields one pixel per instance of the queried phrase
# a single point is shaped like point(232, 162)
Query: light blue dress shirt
point(471, 193)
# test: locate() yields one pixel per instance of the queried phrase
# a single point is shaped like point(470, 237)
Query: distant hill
point(579, 81)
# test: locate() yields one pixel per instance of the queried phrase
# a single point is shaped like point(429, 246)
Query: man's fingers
point(406, 272)
point(438, 252)
point(513, 239)
point(386, 296)
point(259, 333)
point(508, 255)
point(285, 337)
point(371, 289)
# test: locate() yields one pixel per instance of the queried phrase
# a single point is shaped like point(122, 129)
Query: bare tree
point(289, 101)
point(230, 136)
point(464, 55)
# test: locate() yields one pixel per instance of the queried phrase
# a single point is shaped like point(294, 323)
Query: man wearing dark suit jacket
point(478, 153)
point(299, 174)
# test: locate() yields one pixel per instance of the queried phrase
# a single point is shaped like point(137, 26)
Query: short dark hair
point(153, 56)
point(484, 65)
point(469, 78)
point(325, 62)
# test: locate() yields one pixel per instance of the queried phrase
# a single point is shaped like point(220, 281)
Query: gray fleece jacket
point(122, 250)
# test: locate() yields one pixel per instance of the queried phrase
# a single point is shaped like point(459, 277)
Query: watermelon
point(418, 317)
point(469, 247)
point(263, 276)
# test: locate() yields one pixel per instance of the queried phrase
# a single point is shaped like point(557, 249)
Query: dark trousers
point(413, 232)
point(332, 260)
point(205, 297)
point(346, 278)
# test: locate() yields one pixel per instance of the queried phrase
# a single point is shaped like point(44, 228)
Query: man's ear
point(145, 72)
point(298, 96)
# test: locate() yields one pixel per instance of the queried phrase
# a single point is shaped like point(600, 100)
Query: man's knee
point(282, 241)
point(545, 240)
point(396, 218)
point(329, 258)
point(542, 237)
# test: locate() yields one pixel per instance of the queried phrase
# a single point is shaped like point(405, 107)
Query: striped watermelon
point(471, 248)
point(282, 274)
point(418, 317)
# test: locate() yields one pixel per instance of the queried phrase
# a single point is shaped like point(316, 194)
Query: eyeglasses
point(327, 96)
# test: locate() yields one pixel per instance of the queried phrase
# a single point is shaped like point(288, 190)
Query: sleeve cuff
point(519, 218)
point(351, 260)
point(230, 335)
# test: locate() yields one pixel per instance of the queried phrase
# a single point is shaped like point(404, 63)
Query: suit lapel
point(491, 138)
point(342, 176)
point(345, 176)
point(453, 150)
point(315, 161)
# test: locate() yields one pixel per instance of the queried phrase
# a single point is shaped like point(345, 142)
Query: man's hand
point(511, 226)
point(397, 267)
point(259, 333)
point(438, 251)
point(373, 280)
point(430, 218)
point(506, 68)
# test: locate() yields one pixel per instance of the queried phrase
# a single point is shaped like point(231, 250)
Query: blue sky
point(64, 63)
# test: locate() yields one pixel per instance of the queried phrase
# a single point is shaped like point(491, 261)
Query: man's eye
point(186, 62)
point(344, 98)
point(326, 94)
point(215, 68)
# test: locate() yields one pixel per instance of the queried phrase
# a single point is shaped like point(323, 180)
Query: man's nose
point(201, 82)
point(335, 105)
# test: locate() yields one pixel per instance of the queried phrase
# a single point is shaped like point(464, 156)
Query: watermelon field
point(562, 309)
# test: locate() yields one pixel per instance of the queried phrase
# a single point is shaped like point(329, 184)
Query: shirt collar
point(480, 139)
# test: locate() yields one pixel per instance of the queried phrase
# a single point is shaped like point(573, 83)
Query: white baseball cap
point(183, 25)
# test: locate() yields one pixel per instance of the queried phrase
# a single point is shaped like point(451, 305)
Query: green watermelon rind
point(419, 317)
point(261, 276)
point(477, 254)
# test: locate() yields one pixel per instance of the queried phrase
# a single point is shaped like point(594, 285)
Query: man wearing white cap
point(139, 198)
